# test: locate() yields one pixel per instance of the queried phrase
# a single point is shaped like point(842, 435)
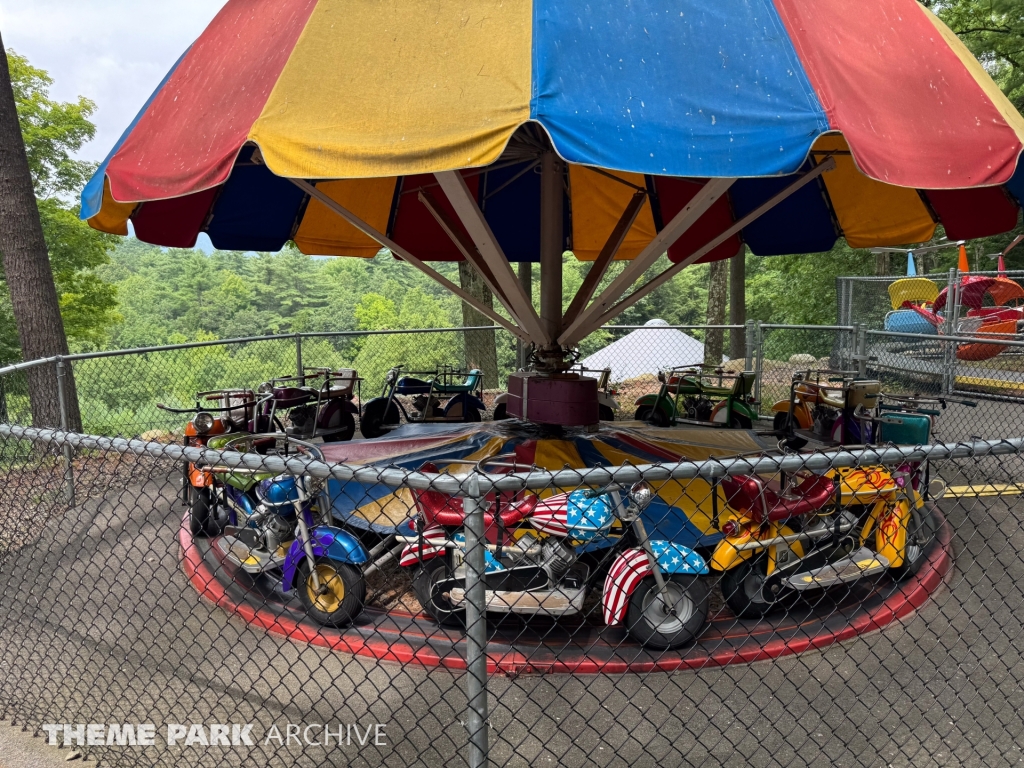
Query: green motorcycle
point(704, 395)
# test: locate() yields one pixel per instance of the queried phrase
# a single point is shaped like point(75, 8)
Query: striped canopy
point(370, 99)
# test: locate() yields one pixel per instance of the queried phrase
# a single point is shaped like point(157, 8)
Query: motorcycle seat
point(407, 385)
point(441, 509)
point(471, 383)
point(289, 397)
point(761, 504)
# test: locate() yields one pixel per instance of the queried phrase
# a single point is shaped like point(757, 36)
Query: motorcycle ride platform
point(541, 645)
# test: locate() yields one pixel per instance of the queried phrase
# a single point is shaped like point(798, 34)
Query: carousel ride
point(496, 133)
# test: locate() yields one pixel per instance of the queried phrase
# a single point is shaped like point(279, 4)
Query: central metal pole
point(525, 280)
point(552, 243)
point(476, 627)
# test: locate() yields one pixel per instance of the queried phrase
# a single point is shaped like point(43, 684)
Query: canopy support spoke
point(401, 252)
point(605, 257)
point(680, 223)
point(479, 230)
point(675, 269)
point(466, 248)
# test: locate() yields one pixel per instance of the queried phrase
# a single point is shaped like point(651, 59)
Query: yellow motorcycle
point(818, 531)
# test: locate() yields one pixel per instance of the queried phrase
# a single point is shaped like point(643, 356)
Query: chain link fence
point(823, 608)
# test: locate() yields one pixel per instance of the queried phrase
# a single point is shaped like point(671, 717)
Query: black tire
point(743, 589)
point(643, 413)
point(342, 591)
point(435, 604)
point(374, 417)
point(471, 414)
point(920, 535)
point(660, 419)
point(779, 423)
point(343, 431)
point(500, 412)
point(605, 413)
point(205, 516)
point(650, 624)
point(739, 421)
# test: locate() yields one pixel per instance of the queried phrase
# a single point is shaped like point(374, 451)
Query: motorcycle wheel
point(643, 413)
point(471, 415)
point(649, 621)
point(342, 591)
point(344, 430)
point(920, 535)
point(779, 422)
point(500, 412)
point(205, 516)
point(374, 417)
point(739, 421)
point(743, 589)
point(426, 586)
point(605, 413)
point(660, 419)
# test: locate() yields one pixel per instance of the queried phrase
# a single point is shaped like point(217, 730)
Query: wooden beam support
point(479, 230)
point(605, 257)
point(827, 165)
point(682, 221)
point(398, 250)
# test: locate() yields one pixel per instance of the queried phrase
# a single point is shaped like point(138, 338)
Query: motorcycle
point(607, 405)
point(319, 403)
point(279, 525)
point(211, 424)
point(817, 532)
point(700, 395)
point(437, 399)
point(543, 556)
point(813, 410)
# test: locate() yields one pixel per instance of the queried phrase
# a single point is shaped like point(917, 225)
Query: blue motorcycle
point(450, 394)
point(277, 525)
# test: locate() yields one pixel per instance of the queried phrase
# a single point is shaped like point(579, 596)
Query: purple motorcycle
point(278, 526)
point(319, 403)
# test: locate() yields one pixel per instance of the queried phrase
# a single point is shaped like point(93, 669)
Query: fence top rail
point(988, 339)
point(936, 276)
point(478, 483)
point(809, 327)
point(671, 327)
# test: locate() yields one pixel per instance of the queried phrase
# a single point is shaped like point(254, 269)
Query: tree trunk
point(27, 268)
point(480, 350)
point(881, 264)
point(738, 304)
point(718, 291)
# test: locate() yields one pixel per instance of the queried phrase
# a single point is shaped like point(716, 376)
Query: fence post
point(758, 359)
point(69, 477)
point(750, 338)
point(860, 349)
point(298, 355)
point(949, 352)
point(476, 627)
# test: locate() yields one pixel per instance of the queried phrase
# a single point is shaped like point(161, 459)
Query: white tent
point(647, 350)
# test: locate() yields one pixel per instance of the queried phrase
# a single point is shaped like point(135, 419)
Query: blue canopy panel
point(747, 103)
point(802, 223)
point(256, 211)
point(510, 200)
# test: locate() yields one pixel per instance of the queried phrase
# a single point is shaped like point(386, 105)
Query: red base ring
point(542, 646)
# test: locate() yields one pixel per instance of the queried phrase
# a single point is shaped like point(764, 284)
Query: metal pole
point(69, 477)
point(525, 280)
point(750, 336)
point(949, 353)
point(298, 355)
point(861, 350)
point(552, 243)
point(758, 359)
point(476, 628)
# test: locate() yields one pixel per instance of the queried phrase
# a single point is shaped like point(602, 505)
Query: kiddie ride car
point(607, 405)
point(701, 395)
point(278, 525)
point(450, 394)
point(319, 403)
point(817, 531)
point(832, 407)
point(217, 414)
point(543, 556)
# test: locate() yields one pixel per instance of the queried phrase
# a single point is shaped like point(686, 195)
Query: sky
point(114, 52)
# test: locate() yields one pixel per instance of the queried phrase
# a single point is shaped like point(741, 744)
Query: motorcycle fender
point(649, 400)
point(350, 406)
point(199, 478)
point(414, 554)
point(467, 401)
point(891, 532)
point(328, 541)
point(803, 417)
point(728, 555)
point(502, 398)
point(632, 566)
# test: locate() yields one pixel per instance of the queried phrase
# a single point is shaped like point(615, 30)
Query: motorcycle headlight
point(203, 422)
point(265, 388)
point(641, 494)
